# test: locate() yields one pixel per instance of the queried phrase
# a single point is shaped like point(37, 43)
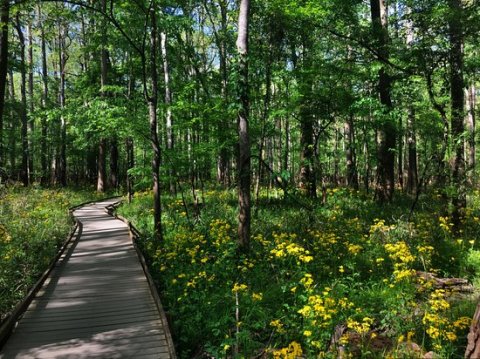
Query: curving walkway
point(96, 303)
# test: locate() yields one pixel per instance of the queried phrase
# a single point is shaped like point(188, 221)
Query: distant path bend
point(96, 303)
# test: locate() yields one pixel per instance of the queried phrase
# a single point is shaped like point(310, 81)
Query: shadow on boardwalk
point(96, 303)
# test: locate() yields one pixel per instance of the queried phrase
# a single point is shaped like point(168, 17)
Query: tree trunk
point(470, 122)
point(13, 126)
point(23, 108)
point(130, 165)
point(387, 132)
point(473, 346)
point(400, 152)
point(152, 109)
point(459, 200)
point(286, 148)
point(352, 176)
point(244, 175)
point(62, 165)
point(101, 165)
point(266, 106)
point(224, 125)
point(31, 121)
point(114, 163)
point(412, 175)
point(43, 140)
point(4, 21)
point(168, 104)
point(308, 181)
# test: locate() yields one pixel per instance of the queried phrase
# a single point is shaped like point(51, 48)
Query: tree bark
point(387, 132)
point(266, 106)
point(24, 175)
point(130, 165)
point(152, 109)
point(101, 164)
point(459, 200)
point(168, 103)
point(31, 121)
point(223, 175)
point(114, 162)
point(4, 21)
point(470, 123)
point(62, 165)
point(243, 165)
point(43, 139)
point(473, 347)
point(352, 176)
point(308, 181)
point(412, 174)
point(13, 125)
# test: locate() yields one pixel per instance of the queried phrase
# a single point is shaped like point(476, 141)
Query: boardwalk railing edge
point(9, 323)
point(134, 235)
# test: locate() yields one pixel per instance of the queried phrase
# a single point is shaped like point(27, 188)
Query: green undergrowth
point(348, 266)
point(34, 223)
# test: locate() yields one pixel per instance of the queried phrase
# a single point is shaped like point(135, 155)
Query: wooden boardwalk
point(96, 303)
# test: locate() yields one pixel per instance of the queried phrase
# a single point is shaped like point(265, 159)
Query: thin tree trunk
point(114, 163)
point(400, 152)
point(223, 159)
point(168, 104)
point(412, 175)
point(152, 109)
point(4, 21)
point(470, 124)
point(352, 177)
point(43, 139)
point(23, 108)
point(31, 122)
point(101, 164)
point(287, 145)
point(13, 126)
point(244, 175)
point(266, 105)
point(459, 200)
point(335, 158)
point(130, 165)
point(307, 169)
point(62, 170)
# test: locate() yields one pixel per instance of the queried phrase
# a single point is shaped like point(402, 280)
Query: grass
point(34, 223)
point(311, 268)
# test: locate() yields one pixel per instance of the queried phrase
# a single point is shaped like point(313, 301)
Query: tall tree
point(62, 60)
point(31, 121)
point(243, 165)
point(168, 102)
point(23, 108)
point(101, 162)
point(4, 22)
point(152, 100)
point(457, 96)
point(386, 131)
point(43, 122)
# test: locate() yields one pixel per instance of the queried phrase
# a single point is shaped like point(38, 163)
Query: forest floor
point(346, 275)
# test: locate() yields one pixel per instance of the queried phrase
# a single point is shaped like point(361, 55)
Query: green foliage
point(306, 273)
point(34, 224)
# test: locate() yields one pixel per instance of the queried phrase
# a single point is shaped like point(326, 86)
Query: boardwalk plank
point(96, 302)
